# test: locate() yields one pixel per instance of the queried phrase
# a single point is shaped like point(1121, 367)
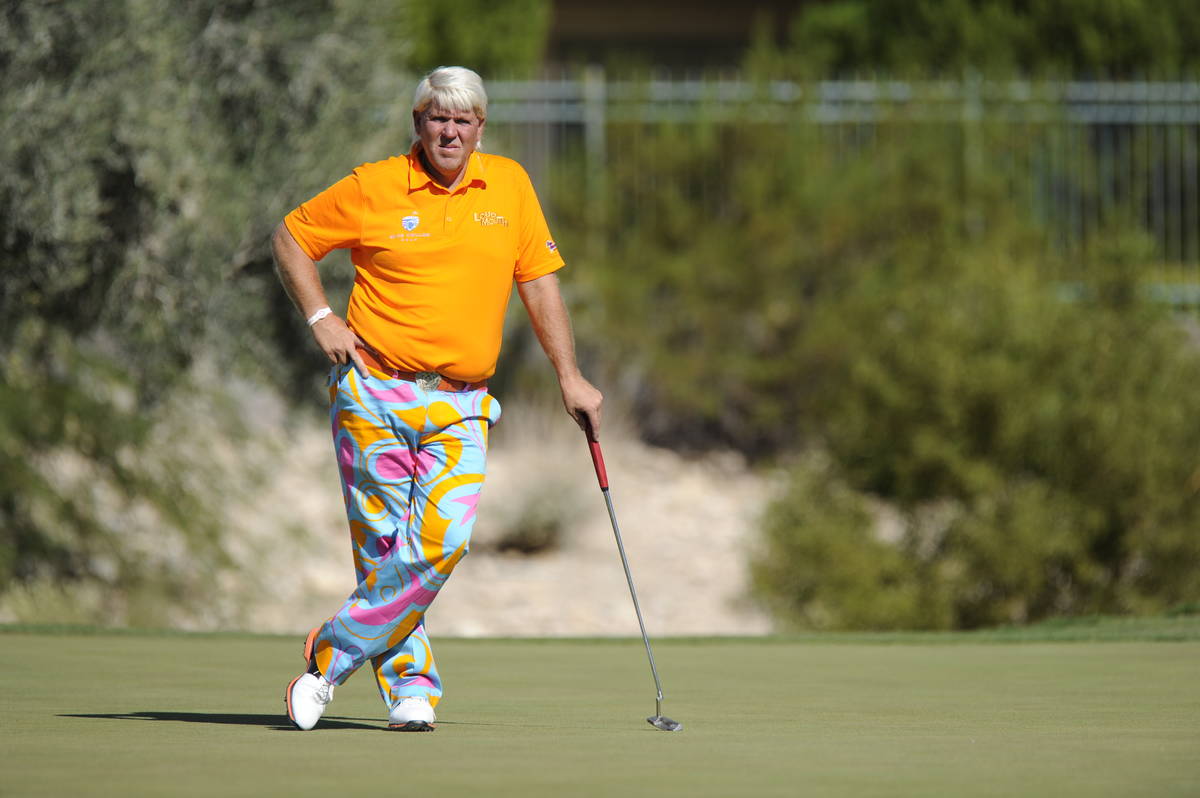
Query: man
point(437, 238)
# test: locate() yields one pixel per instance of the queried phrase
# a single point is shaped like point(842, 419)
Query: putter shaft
point(657, 721)
point(612, 516)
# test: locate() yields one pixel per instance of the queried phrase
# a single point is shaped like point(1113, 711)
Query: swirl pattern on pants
point(412, 464)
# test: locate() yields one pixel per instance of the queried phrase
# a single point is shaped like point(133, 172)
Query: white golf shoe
point(306, 699)
point(413, 713)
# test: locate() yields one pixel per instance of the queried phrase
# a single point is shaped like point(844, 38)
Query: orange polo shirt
point(433, 269)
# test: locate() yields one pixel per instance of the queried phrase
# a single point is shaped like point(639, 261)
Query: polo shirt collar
point(418, 178)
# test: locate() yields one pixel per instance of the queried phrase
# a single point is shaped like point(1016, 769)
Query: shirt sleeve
point(331, 220)
point(537, 254)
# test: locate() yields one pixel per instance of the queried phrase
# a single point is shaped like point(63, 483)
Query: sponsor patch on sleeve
point(550, 245)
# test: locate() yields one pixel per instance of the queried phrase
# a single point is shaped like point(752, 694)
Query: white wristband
point(320, 314)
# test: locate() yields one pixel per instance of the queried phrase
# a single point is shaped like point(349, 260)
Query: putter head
point(663, 723)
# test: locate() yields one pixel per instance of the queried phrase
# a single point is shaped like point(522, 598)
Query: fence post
point(972, 156)
point(595, 145)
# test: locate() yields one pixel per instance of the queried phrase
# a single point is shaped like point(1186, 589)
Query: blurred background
point(893, 303)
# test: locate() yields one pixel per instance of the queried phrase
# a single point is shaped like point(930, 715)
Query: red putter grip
point(598, 462)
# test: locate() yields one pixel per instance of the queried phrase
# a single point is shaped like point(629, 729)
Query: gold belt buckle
point(428, 380)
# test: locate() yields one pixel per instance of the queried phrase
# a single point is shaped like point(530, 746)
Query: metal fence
point(1095, 148)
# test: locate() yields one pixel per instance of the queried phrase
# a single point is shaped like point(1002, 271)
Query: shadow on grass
point(278, 723)
point(273, 722)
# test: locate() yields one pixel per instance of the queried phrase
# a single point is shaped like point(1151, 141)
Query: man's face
point(448, 139)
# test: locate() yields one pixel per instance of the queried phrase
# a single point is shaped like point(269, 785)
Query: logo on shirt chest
point(490, 218)
point(409, 222)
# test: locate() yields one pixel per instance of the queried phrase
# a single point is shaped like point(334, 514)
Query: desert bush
point(822, 565)
point(718, 255)
point(495, 39)
point(1059, 436)
point(1097, 39)
point(148, 150)
point(879, 294)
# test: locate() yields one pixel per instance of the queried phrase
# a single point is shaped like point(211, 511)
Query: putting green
point(155, 715)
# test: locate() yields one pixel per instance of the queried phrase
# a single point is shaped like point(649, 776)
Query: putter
point(657, 720)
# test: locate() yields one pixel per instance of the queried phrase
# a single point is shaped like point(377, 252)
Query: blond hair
point(453, 88)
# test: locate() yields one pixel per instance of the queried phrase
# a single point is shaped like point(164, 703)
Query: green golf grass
point(170, 714)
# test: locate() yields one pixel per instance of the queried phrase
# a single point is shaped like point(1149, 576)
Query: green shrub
point(1099, 39)
point(1022, 553)
point(822, 566)
point(149, 149)
point(497, 40)
point(879, 294)
point(721, 248)
point(1059, 438)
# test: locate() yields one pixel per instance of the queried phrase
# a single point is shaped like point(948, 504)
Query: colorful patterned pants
point(412, 464)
